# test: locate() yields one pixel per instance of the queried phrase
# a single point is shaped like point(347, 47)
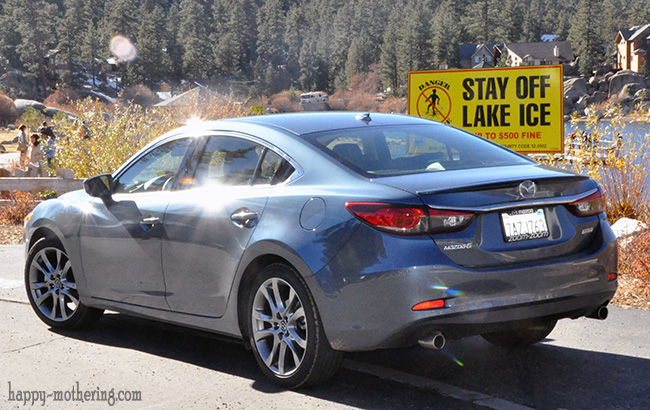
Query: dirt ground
point(8, 136)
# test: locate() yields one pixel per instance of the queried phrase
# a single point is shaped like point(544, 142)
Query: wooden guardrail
point(32, 184)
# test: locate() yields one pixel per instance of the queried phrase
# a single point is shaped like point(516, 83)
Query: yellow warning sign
point(518, 107)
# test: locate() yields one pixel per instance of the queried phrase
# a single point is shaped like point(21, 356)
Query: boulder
point(619, 80)
point(574, 88)
point(569, 70)
point(598, 97)
point(23, 105)
point(642, 94)
point(11, 127)
point(51, 112)
point(582, 102)
point(2, 148)
point(630, 89)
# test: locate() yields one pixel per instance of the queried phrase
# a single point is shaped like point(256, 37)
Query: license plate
point(524, 224)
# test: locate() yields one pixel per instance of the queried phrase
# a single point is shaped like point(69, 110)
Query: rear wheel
point(521, 337)
point(285, 330)
point(52, 288)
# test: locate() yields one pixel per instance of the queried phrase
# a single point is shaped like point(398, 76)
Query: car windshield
point(400, 150)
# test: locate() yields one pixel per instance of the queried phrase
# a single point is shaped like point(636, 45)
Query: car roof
point(310, 122)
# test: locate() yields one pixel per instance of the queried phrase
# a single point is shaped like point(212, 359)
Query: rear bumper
point(364, 307)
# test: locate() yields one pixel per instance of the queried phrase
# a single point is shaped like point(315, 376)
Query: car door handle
point(244, 218)
point(150, 221)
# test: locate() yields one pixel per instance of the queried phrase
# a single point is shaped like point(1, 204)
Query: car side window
point(274, 169)
point(228, 161)
point(154, 171)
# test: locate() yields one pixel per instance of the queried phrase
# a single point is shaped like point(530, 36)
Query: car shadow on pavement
point(227, 355)
point(540, 376)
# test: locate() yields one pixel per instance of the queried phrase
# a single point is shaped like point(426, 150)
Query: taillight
point(409, 220)
point(391, 218)
point(589, 206)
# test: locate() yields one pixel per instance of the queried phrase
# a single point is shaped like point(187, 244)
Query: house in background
point(540, 53)
point(632, 48)
point(478, 55)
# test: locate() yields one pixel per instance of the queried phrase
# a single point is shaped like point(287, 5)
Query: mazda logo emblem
point(527, 189)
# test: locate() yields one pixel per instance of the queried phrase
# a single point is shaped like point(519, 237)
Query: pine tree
point(415, 51)
point(586, 34)
point(389, 65)
point(270, 29)
point(35, 21)
point(510, 22)
point(445, 35)
point(531, 27)
point(194, 40)
point(153, 62)
point(72, 28)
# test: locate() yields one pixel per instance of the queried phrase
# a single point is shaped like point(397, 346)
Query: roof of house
point(633, 33)
point(542, 50)
point(466, 51)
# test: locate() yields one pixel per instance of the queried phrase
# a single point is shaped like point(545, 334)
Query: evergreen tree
point(194, 40)
point(233, 41)
point(35, 21)
point(389, 65)
point(415, 51)
point(270, 28)
point(296, 29)
point(586, 34)
point(445, 35)
point(531, 27)
point(9, 38)
point(153, 62)
point(511, 16)
point(72, 28)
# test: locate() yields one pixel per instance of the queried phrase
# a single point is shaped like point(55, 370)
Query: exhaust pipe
point(434, 341)
point(600, 313)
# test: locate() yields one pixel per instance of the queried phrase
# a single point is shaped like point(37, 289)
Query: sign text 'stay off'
point(518, 107)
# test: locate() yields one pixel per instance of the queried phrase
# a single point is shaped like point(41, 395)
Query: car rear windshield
point(400, 150)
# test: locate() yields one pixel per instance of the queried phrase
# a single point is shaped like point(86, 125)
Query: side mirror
point(99, 186)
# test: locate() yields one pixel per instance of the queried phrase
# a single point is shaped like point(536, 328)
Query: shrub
point(8, 113)
point(62, 99)
point(394, 105)
point(140, 95)
point(20, 204)
point(99, 141)
point(634, 256)
point(285, 101)
point(32, 118)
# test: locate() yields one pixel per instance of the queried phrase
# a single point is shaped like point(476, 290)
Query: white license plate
point(524, 224)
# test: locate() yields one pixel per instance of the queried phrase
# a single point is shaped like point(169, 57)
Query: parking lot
point(134, 363)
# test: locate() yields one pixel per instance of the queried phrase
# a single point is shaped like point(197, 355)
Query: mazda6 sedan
point(309, 235)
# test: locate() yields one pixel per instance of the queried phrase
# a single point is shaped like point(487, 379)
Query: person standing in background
point(23, 144)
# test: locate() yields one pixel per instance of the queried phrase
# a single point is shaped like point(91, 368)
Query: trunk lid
point(521, 212)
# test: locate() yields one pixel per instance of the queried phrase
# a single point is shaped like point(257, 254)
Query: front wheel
point(285, 330)
point(52, 288)
point(521, 337)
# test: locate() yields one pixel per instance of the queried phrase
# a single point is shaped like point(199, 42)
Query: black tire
point(525, 336)
point(288, 341)
point(52, 289)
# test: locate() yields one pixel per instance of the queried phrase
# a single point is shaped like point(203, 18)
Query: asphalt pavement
point(127, 362)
